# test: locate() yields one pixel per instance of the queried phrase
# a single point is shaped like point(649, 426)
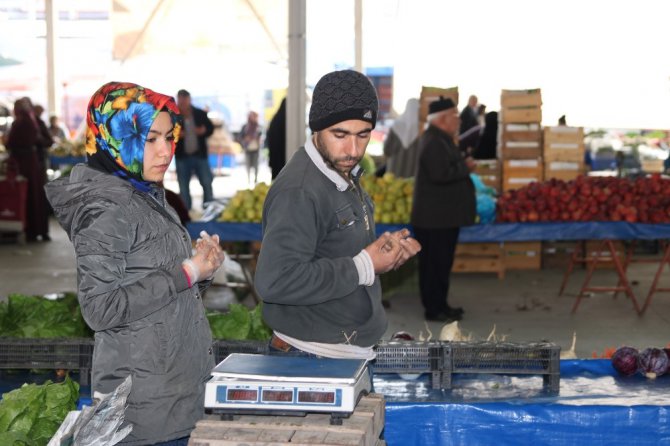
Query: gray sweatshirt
point(306, 274)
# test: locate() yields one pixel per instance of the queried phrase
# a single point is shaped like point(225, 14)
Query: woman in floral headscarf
point(138, 285)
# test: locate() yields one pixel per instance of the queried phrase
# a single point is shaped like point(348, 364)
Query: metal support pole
point(297, 54)
point(358, 34)
point(51, 17)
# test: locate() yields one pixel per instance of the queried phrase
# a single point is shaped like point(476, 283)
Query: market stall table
point(594, 406)
point(606, 232)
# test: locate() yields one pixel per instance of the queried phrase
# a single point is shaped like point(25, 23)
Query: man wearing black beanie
point(318, 268)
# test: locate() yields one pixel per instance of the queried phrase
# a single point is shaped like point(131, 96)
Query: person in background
point(46, 141)
point(275, 139)
point(56, 130)
point(487, 146)
point(401, 146)
point(444, 200)
point(562, 121)
point(191, 151)
point(25, 142)
point(469, 116)
point(318, 267)
point(139, 280)
point(250, 140)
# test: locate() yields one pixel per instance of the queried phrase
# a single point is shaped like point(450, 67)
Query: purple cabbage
point(667, 352)
point(625, 360)
point(402, 336)
point(652, 362)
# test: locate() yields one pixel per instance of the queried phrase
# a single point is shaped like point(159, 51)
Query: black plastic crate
point(410, 357)
point(538, 358)
point(223, 348)
point(52, 354)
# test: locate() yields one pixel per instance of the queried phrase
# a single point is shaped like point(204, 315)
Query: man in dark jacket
point(318, 269)
point(444, 200)
point(276, 140)
point(191, 152)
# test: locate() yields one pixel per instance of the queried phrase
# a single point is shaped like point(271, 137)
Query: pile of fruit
point(246, 205)
point(68, 148)
point(392, 197)
point(643, 200)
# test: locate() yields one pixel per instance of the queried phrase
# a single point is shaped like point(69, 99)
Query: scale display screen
point(277, 396)
point(316, 397)
point(242, 395)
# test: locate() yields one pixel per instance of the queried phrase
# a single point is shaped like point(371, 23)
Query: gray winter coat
point(133, 293)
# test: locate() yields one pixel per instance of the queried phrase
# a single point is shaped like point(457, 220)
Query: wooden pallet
point(362, 428)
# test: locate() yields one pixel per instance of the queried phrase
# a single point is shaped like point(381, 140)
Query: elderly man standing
point(318, 268)
point(444, 200)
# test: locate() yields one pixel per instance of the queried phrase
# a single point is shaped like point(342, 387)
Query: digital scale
point(244, 384)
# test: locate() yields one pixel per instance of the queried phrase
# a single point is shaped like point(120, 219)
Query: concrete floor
point(524, 306)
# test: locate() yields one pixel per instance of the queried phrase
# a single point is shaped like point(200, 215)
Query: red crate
point(13, 198)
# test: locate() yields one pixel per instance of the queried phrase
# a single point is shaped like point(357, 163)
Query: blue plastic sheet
point(594, 407)
point(497, 232)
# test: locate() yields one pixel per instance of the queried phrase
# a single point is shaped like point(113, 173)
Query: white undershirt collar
point(341, 184)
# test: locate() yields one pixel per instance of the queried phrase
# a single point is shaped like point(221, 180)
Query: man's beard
point(332, 162)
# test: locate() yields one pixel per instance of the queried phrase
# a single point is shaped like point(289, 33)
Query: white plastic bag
point(99, 424)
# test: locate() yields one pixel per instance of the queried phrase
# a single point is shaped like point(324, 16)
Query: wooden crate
point(556, 255)
point(479, 258)
point(489, 172)
point(564, 134)
point(522, 255)
point(521, 98)
point(652, 166)
point(487, 167)
point(362, 428)
point(563, 144)
point(563, 170)
point(593, 246)
point(521, 141)
point(521, 114)
point(519, 173)
point(521, 106)
point(430, 94)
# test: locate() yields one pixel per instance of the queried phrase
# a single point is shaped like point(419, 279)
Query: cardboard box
point(523, 255)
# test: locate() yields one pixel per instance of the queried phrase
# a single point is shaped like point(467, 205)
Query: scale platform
point(245, 384)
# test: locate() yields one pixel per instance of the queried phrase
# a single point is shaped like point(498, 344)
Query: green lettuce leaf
point(31, 414)
point(259, 329)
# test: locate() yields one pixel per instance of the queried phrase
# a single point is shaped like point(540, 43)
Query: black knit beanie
point(340, 96)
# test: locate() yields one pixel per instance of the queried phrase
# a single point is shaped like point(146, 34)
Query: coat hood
point(84, 184)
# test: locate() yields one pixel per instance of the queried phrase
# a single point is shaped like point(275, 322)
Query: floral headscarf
point(118, 120)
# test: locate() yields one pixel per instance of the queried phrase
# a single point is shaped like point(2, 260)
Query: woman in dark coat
point(23, 142)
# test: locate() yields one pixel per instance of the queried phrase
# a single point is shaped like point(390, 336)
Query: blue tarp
point(497, 232)
point(594, 407)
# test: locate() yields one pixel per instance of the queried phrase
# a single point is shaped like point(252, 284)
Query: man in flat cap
point(444, 200)
point(318, 268)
